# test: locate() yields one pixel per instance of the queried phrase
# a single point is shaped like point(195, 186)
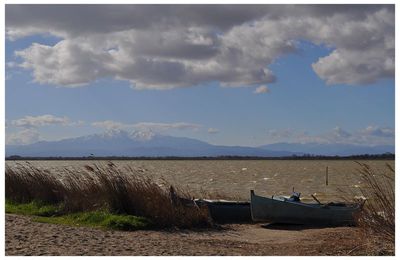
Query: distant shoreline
point(385, 156)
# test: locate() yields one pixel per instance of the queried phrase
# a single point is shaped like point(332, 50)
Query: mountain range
point(135, 144)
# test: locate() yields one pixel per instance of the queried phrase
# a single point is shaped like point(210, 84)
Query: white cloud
point(25, 136)
point(162, 47)
point(147, 126)
point(338, 132)
point(165, 126)
point(26, 130)
point(36, 121)
point(11, 64)
point(364, 49)
point(378, 131)
point(212, 131)
point(261, 89)
point(108, 124)
point(293, 135)
point(77, 123)
point(367, 136)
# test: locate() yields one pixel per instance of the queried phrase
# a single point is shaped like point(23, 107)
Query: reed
point(377, 219)
point(106, 187)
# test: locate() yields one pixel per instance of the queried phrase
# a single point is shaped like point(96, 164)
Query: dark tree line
point(386, 156)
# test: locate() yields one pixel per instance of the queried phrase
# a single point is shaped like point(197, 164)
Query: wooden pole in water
point(326, 176)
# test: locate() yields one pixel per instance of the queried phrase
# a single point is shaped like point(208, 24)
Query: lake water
point(235, 178)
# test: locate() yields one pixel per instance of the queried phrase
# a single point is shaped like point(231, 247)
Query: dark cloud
point(76, 20)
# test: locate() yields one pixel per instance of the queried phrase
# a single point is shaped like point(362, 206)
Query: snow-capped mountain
point(122, 143)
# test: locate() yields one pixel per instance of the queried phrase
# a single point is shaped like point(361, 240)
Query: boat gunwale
point(311, 205)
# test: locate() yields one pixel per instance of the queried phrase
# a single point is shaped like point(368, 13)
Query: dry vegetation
point(377, 219)
point(103, 186)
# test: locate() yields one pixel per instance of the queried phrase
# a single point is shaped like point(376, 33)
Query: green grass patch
point(46, 213)
point(99, 219)
point(36, 208)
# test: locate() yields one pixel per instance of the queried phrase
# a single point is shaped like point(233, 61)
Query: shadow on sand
point(292, 227)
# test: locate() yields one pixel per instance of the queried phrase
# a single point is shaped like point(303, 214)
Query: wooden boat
point(293, 211)
point(221, 211)
point(224, 211)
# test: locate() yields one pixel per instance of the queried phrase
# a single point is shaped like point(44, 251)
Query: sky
point(225, 74)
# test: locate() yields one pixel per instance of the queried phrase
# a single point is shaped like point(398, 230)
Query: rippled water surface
point(236, 178)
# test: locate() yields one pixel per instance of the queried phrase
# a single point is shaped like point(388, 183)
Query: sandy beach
point(25, 237)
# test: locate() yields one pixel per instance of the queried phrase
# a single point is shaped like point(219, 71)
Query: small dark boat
point(293, 211)
point(221, 211)
point(224, 211)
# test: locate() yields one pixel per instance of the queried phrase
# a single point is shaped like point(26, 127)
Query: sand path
point(25, 237)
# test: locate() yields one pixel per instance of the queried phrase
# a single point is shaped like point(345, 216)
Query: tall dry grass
point(104, 186)
point(377, 219)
